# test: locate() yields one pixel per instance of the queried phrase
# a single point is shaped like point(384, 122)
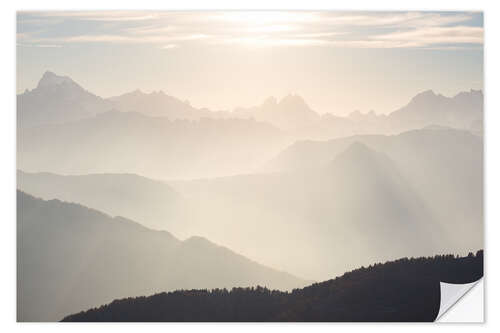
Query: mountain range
point(318, 194)
point(444, 165)
point(462, 111)
point(130, 142)
point(159, 104)
point(65, 129)
point(369, 202)
point(70, 258)
point(290, 113)
point(60, 99)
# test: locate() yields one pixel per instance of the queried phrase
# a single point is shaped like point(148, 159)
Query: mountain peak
point(363, 163)
point(427, 99)
point(51, 79)
point(468, 94)
point(357, 148)
point(357, 115)
point(293, 99)
point(293, 103)
point(425, 94)
point(198, 240)
point(270, 101)
point(358, 154)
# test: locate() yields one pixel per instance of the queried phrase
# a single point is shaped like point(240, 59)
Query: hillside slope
point(444, 166)
point(401, 290)
point(359, 202)
point(151, 202)
point(70, 258)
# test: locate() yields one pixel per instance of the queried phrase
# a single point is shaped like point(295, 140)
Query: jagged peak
point(426, 97)
point(471, 92)
point(139, 93)
point(270, 101)
point(355, 113)
point(293, 99)
point(51, 79)
point(158, 92)
point(358, 115)
point(297, 104)
point(135, 93)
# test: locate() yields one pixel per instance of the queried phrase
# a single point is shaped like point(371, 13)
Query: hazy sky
point(337, 61)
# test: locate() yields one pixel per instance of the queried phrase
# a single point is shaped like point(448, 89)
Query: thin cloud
point(39, 45)
point(266, 28)
point(169, 46)
point(438, 35)
point(122, 39)
point(400, 19)
point(96, 15)
point(267, 42)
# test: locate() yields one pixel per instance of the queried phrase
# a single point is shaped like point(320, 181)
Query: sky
point(337, 61)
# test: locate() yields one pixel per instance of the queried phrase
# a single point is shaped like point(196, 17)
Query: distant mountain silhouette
point(57, 99)
point(51, 80)
point(463, 111)
point(138, 198)
point(290, 113)
point(362, 177)
point(404, 290)
point(129, 142)
point(358, 155)
point(425, 186)
point(70, 258)
point(307, 205)
point(359, 202)
point(369, 116)
point(392, 194)
point(159, 104)
point(443, 165)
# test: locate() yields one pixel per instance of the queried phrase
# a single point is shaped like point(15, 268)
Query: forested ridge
point(406, 289)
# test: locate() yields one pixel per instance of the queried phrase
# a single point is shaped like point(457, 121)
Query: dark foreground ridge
point(401, 290)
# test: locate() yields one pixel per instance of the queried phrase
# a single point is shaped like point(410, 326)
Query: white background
point(8, 167)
